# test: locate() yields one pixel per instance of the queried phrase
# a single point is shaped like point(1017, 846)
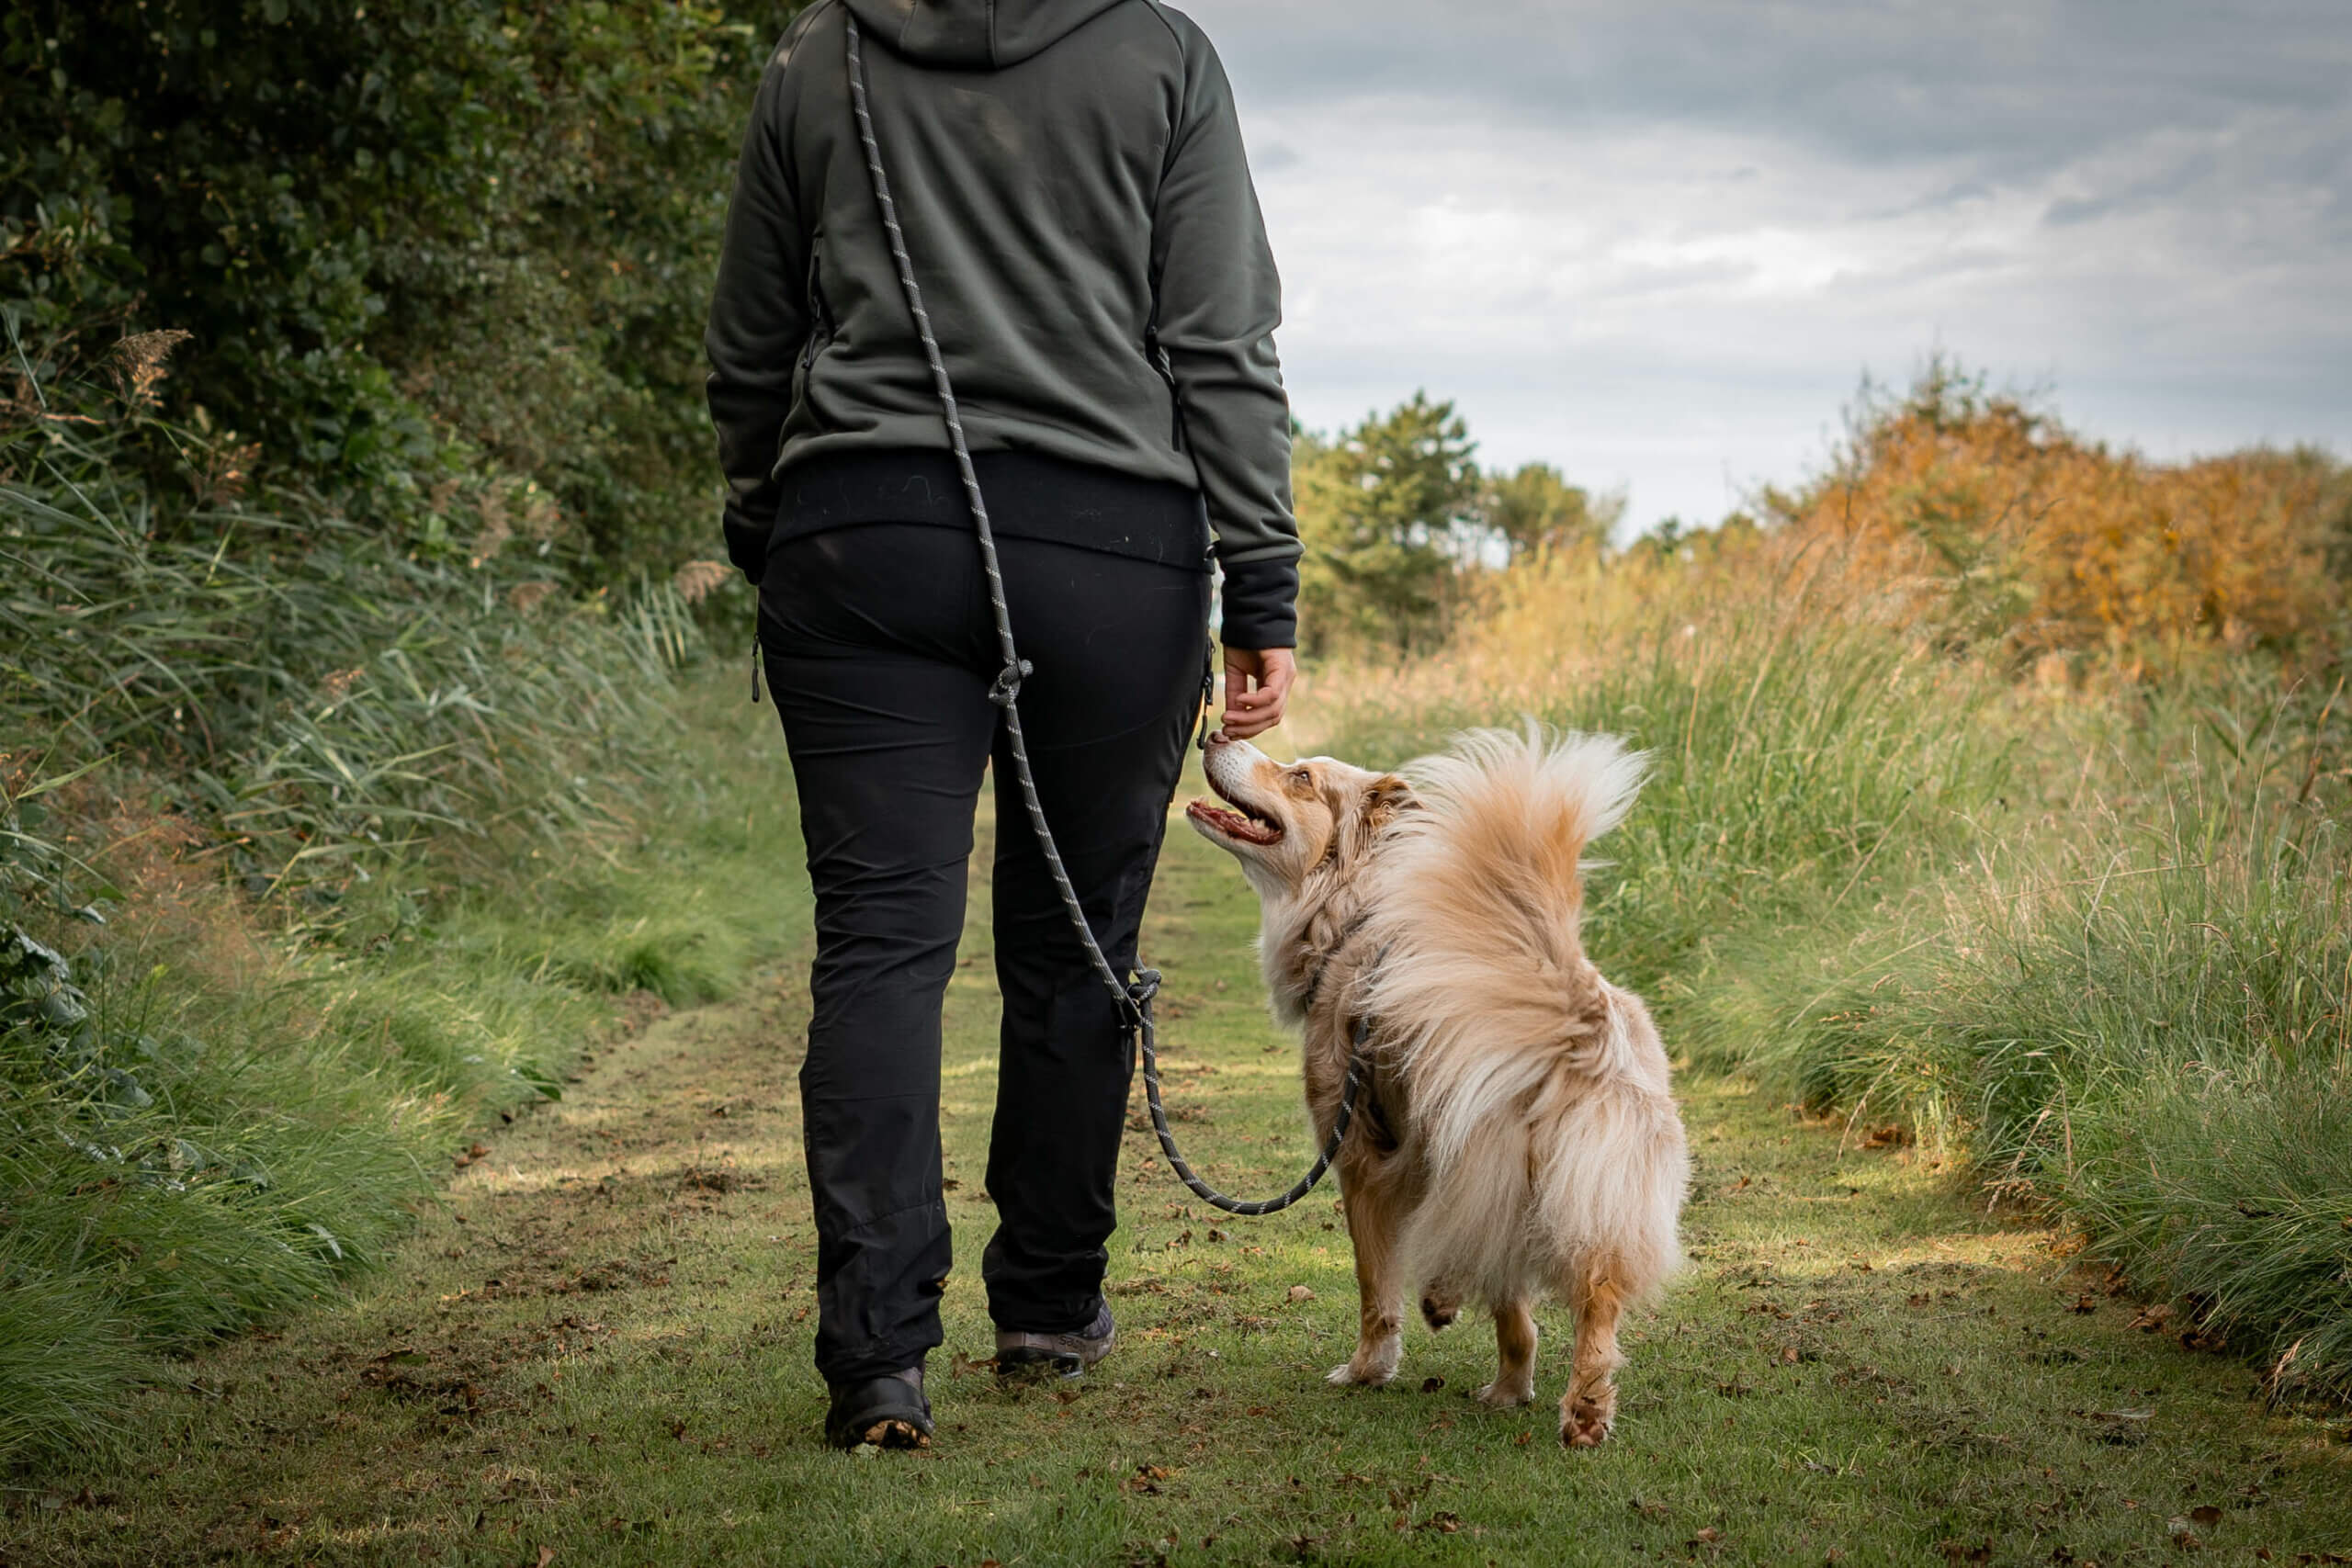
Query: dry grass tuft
point(698, 579)
point(138, 363)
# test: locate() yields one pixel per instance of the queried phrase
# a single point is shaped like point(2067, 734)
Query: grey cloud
point(1710, 216)
point(2011, 86)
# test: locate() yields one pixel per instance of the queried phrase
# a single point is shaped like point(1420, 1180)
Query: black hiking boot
point(888, 1412)
point(1021, 1353)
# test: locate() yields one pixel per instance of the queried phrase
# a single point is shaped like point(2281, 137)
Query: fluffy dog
point(1517, 1134)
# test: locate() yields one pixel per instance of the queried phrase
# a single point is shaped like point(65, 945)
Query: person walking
point(1074, 194)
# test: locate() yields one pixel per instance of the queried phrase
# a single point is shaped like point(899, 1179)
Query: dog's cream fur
point(1518, 1135)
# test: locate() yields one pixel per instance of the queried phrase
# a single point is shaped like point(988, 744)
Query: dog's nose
point(1216, 738)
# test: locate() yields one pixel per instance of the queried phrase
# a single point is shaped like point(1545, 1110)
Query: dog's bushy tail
point(1540, 1095)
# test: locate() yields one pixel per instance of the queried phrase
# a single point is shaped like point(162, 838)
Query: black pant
point(880, 650)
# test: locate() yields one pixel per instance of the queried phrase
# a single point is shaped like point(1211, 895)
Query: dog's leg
point(1380, 1333)
point(1515, 1355)
point(1589, 1407)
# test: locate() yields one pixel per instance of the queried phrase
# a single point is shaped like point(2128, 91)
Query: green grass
point(308, 696)
point(1799, 773)
point(599, 1347)
point(240, 1123)
point(2150, 1031)
point(258, 765)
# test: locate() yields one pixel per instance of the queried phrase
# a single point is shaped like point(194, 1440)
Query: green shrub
point(391, 227)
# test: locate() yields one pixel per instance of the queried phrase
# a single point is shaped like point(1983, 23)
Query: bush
point(1988, 521)
point(391, 227)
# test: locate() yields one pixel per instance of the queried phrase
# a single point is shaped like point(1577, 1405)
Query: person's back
point(1071, 181)
point(1071, 175)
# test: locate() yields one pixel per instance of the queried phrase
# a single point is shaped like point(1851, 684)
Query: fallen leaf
point(1431, 1385)
point(2206, 1515)
point(1301, 1293)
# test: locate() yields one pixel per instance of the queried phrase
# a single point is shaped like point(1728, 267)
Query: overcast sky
point(1659, 242)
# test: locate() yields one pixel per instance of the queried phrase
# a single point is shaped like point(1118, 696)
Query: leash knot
point(1008, 683)
point(1144, 987)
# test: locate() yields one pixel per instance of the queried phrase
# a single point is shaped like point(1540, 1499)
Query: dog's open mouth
point(1235, 821)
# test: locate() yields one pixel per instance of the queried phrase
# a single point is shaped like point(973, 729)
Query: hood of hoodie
point(973, 35)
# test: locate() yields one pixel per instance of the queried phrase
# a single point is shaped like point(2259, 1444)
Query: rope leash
point(1134, 998)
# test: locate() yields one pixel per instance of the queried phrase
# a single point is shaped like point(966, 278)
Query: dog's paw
point(1503, 1396)
point(1348, 1373)
point(1586, 1422)
point(1439, 1312)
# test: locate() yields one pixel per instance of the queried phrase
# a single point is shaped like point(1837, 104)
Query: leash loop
point(1135, 997)
point(1006, 689)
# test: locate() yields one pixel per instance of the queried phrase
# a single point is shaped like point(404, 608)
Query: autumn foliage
point(1995, 525)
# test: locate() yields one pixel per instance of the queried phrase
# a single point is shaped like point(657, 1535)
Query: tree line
point(1400, 522)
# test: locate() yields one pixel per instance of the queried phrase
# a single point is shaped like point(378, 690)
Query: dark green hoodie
point(1070, 177)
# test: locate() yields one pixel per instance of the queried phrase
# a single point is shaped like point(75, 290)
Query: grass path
point(596, 1351)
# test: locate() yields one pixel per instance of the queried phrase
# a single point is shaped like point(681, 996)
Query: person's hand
point(1257, 685)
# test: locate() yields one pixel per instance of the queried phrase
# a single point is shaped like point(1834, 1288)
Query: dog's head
point(1292, 825)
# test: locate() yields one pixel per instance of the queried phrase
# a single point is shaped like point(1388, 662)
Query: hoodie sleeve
point(1218, 302)
point(759, 319)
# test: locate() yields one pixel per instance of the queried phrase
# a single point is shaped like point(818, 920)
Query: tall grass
point(2145, 1022)
point(308, 692)
point(1802, 764)
point(316, 847)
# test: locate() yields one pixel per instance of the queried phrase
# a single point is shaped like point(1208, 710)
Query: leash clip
point(1007, 686)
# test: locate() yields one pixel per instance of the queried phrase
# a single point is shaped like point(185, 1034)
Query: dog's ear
point(1384, 799)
